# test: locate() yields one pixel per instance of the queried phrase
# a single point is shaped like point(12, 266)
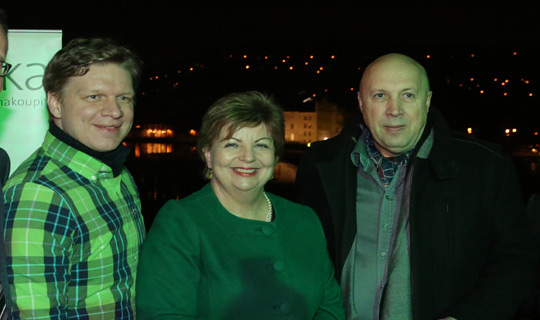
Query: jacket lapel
point(338, 178)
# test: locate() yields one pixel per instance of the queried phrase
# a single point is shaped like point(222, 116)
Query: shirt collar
point(114, 159)
point(365, 150)
point(376, 156)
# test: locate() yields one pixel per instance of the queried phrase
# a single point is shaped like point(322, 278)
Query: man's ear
point(54, 104)
point(360, 103)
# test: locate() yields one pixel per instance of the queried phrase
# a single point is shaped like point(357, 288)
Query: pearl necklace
point(269, 214)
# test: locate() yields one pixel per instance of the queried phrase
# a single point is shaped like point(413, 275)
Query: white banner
point(23, 103)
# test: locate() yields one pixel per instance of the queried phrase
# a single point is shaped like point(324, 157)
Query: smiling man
point(73, 227)
point(422, 222)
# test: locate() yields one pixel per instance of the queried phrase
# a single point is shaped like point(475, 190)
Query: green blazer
point(201, 262)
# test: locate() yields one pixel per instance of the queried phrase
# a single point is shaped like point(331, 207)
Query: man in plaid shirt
point(73, 227)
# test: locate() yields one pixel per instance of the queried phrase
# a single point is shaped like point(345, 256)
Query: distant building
point(306, 127)
point(300, 127)
point(329, 120)
point(152, 131)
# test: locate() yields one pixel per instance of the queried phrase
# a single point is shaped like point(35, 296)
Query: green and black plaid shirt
point(73, 233)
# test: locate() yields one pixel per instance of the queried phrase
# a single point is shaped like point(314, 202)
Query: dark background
point(176, 35)
point(469, 44)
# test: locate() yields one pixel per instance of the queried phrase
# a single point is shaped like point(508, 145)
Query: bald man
point(422, 222)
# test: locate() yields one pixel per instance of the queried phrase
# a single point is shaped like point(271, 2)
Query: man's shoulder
point(27, 171)
point(3, 156)
point(39, 168)
point(343, 142)
point(450, 143)
point(4, 166)
point(473, 145)
point(346, 139)
point(469, 153)
point(34, 181)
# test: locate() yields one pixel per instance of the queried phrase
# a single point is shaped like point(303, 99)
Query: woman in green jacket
point(230, 250)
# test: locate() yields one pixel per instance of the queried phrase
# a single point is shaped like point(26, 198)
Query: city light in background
point(501, 86)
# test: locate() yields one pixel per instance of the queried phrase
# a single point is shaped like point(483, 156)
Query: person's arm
point(508, 274)
point(331, 307)
point(304, 180)
point(37, 232)
point(169, 271)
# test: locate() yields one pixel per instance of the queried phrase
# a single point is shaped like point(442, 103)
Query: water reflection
point(534, 167)
point(528, 169)
point(152, 148)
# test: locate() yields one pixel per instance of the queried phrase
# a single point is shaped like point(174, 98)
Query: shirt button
point(278, 266)
point(94, 178)
point(286, 308)
point(383, 254)
point(267, 230)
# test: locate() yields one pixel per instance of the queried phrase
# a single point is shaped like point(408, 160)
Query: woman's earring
point(209, 174)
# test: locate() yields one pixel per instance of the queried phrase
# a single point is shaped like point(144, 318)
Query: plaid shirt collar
point(114, 159)
point(78, 161)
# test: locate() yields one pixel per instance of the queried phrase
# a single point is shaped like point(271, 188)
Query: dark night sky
point(167, 35)
point(170, 30)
